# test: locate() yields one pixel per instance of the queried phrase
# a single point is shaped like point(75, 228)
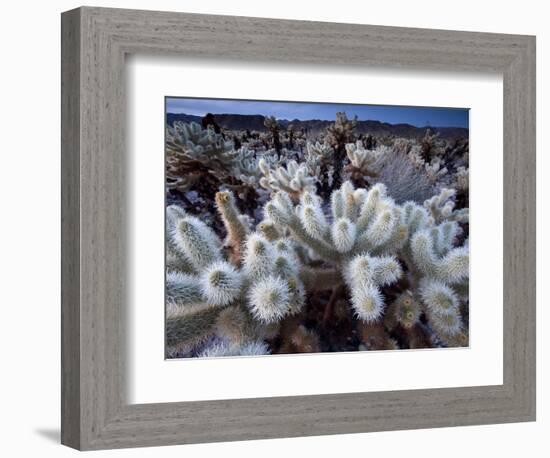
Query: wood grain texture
point(96, 413)
point(70, 229)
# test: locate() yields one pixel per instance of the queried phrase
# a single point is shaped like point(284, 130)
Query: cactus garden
point(305, 228)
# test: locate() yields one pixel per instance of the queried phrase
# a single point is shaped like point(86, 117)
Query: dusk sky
point(416, 116)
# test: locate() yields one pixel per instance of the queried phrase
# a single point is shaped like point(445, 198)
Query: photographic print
point(300, 227)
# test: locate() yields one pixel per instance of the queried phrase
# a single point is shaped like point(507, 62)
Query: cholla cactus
point(360, 221)
point(442, 207)
point(405, 311)
point(269, 299)
point(187, 327)
point(338, 135)
point(370, 236)
point(431, 145)
point(365, 275)
point(319, 159)
point(274, 130)
point(414, 153)
point(220, 283)
point(235, 223)
point(435, 169)
point(441, 301)
point(363, 162)
point(294, 138)
point(246, 173)
point(341, 132)
point(319, 152)
point(462, 179)
point(434, 256)
point(260, 279)
point(403, 145)
point(293, 179)
point(198, 158)
point(191, 152)
point(245, 165)
point(439, 271)
point(385, 253)
point(365, 227)
point(224, 348)
point(196, 242)
point(457, 151)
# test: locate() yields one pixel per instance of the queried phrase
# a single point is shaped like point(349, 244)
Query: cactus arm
point(236, 229)
point(190, 328)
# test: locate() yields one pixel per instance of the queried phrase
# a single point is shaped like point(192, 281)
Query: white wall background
point(29, 229)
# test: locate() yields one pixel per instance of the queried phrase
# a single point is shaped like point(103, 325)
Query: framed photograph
point(292, 228)
point(277, 228)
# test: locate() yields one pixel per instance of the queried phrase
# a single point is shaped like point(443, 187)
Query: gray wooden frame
point(95, 41)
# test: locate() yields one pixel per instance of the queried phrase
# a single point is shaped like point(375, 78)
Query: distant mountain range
point(313, 126)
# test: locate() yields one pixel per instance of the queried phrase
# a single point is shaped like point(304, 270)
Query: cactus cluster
point(291, 178)
point(248, 276)
point(319, 159)
point(198, 158)
point(395, 263)
point(332, 242)
point(363, 163)
point(192, 153)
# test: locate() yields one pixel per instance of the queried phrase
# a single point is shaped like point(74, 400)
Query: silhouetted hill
point(315, 126)
point(171, 117)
